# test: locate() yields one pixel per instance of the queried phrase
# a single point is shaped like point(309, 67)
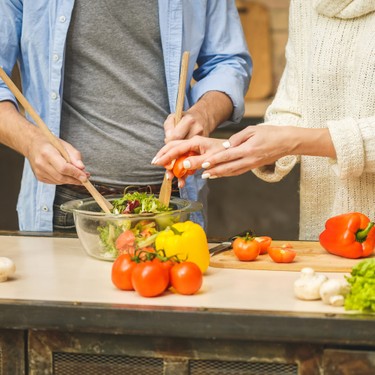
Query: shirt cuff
point(222, 83)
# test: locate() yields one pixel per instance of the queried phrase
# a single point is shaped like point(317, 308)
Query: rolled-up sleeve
point(224, 62)
point(354, 142)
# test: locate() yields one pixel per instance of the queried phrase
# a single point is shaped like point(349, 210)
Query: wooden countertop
point(57, 285)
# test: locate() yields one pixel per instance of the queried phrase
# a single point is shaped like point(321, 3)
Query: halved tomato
point(265, 243)
point(281, 254)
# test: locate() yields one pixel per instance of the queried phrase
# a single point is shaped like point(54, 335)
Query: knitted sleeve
point(285, 108)
point(354, 141)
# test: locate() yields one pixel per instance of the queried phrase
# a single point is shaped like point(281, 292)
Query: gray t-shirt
point(115, 96)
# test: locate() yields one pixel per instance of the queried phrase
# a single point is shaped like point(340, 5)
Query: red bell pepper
point(349, 235)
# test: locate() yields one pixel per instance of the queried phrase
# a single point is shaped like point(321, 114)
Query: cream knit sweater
point(329, 81)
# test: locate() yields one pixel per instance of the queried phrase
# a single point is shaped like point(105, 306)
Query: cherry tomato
point(122, 269)
point(281, 254)
point(178, 167)
point(149, 278)
point(125, 242)
point(264, 242)
point(186, 278)
point(246, 248)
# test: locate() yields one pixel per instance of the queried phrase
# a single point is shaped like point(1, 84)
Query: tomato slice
point(281, 254)
point(264, 242)
point(178, 167)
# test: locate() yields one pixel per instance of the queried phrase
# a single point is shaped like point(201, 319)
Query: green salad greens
point(136, 203)
point(361, 296)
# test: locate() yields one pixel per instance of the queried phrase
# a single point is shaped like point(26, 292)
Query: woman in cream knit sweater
point(323, 117)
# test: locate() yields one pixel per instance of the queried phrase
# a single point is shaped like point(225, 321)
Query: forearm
point(215, 107)
point(312, 142)
point(15, 131)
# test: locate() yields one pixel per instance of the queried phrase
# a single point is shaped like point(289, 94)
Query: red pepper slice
point(350, 235)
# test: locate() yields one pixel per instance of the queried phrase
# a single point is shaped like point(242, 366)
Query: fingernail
point(206, 175)
point(206, 164)
point(82, 178)
point(80, 164)
point(213, 177)
point(154, 160)
point(226, 144)
point(167, 175)
point(168, 133)
point(186, 164)
point(179, 184)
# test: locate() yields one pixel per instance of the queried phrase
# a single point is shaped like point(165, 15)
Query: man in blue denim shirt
point(104, 77)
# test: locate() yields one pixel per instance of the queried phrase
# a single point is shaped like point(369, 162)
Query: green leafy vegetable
point(136, 203)
point(362, 287)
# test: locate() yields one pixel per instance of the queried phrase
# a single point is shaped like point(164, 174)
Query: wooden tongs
point(166, 187)
point(104, 204)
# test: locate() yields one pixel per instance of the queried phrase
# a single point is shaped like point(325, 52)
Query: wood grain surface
point(309, 254)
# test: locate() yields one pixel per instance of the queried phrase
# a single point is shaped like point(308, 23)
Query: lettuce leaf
point(362, 287)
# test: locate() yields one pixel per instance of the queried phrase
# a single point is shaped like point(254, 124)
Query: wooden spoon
point(166, 187)
point(104, 204)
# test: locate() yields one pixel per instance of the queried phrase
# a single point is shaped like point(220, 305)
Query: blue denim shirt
point(33, 32)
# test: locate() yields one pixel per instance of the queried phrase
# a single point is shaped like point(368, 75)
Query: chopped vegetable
point(361, 296)
point(137, 203)
point(349, 235)
point(281, 254)
point(125, 236)
point(177, 166)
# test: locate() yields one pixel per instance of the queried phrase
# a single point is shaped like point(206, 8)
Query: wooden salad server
point(166, 187)
point(104, 204)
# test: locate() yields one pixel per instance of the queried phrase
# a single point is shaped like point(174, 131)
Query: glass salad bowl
point(99, 232)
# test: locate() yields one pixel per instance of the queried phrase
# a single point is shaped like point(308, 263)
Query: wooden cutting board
point(309, 254)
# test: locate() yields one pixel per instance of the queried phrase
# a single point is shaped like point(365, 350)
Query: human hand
point(50, 167)
point(203, 146)
point(193, 122)
point(251, 148)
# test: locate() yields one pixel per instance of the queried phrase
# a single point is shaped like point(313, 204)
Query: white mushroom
point(7, 268)
point(308, 285)
point(333, 291)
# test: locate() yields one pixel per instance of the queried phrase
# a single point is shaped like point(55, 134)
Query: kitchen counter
point(58, 288)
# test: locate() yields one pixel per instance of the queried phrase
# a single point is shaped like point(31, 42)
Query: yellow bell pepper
point(188, 241)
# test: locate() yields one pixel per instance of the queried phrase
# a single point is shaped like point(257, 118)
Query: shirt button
point(54, 95)
point(45, 208)
point(62, 18)
point(55, 57)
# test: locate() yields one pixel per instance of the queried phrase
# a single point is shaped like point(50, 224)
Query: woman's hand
point(251, 148)
point(203, 146)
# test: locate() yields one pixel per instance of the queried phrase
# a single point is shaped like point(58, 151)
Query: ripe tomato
point(122, 269)
point(281, 254)
point(264, 242)
point(186, 278)
point(150, 279)
point(246, 248)
point(178, 167)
